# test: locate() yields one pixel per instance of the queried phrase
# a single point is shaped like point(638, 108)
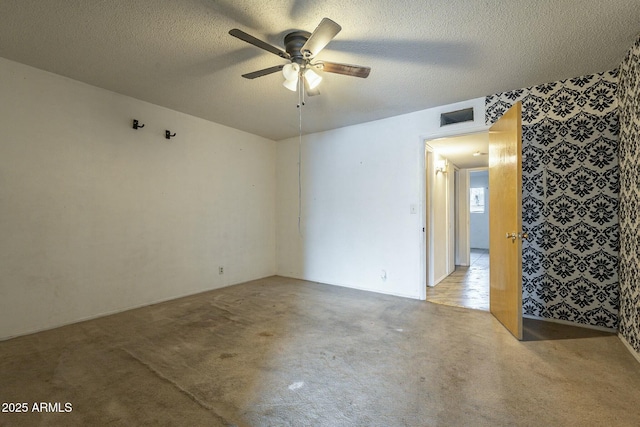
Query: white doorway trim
point(426, 251)
point(468, 212)
point(462, 219)
point(427, 244)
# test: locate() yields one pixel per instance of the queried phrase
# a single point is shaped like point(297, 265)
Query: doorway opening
point(466, 279)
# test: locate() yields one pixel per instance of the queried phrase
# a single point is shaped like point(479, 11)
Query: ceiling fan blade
point(321, 36)
point(346, 69)
point(264, 72)
point(259, 43)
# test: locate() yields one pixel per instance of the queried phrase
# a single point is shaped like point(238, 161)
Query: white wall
point(442, 227)
point(358, 185)
point(96, 217)
point(479, 222)
point(462, 218)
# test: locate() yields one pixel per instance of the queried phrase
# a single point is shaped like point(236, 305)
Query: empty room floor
point(285, 352)
point(466, 286)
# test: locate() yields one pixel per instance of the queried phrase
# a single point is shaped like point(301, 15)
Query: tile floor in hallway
point(466, 286)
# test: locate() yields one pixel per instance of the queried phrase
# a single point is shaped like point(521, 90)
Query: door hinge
point(513, 236)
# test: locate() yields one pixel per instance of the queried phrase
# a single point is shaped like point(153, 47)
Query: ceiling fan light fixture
point(312, 78)
point(292, 84)
point(301, 47)
point(291, 71)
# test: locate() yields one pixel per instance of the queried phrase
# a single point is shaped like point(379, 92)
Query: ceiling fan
point(301, 47)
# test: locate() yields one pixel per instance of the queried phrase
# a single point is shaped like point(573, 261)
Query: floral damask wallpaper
point(570, 193)
point(629, 151)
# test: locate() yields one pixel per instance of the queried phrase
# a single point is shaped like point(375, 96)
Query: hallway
point(467, 286)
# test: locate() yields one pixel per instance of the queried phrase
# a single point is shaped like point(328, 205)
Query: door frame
point(426, 250)
point(462, 218)
point(426, 246)
point(468, 213)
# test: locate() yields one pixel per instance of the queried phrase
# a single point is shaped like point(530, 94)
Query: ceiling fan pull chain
point(300, 159)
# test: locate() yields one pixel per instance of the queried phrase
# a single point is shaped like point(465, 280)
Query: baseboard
point(566, 322)
point(632, 350)
point(358, 288)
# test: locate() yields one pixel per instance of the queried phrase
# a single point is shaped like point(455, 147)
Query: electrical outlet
point(220, 270)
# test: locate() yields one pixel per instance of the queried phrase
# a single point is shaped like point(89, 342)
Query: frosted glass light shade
point(291, 71)
point(292, 85)
point(312, 78)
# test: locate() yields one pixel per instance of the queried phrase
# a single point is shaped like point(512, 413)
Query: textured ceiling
point(178, 54)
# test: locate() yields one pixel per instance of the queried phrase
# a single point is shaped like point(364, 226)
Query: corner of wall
point(629, 152)
point(98, 217)
point(570, 179)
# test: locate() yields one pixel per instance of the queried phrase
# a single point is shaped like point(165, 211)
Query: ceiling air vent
point(454, 117)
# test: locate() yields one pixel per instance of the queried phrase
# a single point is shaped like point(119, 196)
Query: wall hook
point(168, 135)
point(137, 125)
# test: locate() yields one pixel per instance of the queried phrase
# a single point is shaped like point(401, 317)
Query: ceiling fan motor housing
point(293, 43)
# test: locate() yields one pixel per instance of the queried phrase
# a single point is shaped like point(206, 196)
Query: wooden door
point(505, 219)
